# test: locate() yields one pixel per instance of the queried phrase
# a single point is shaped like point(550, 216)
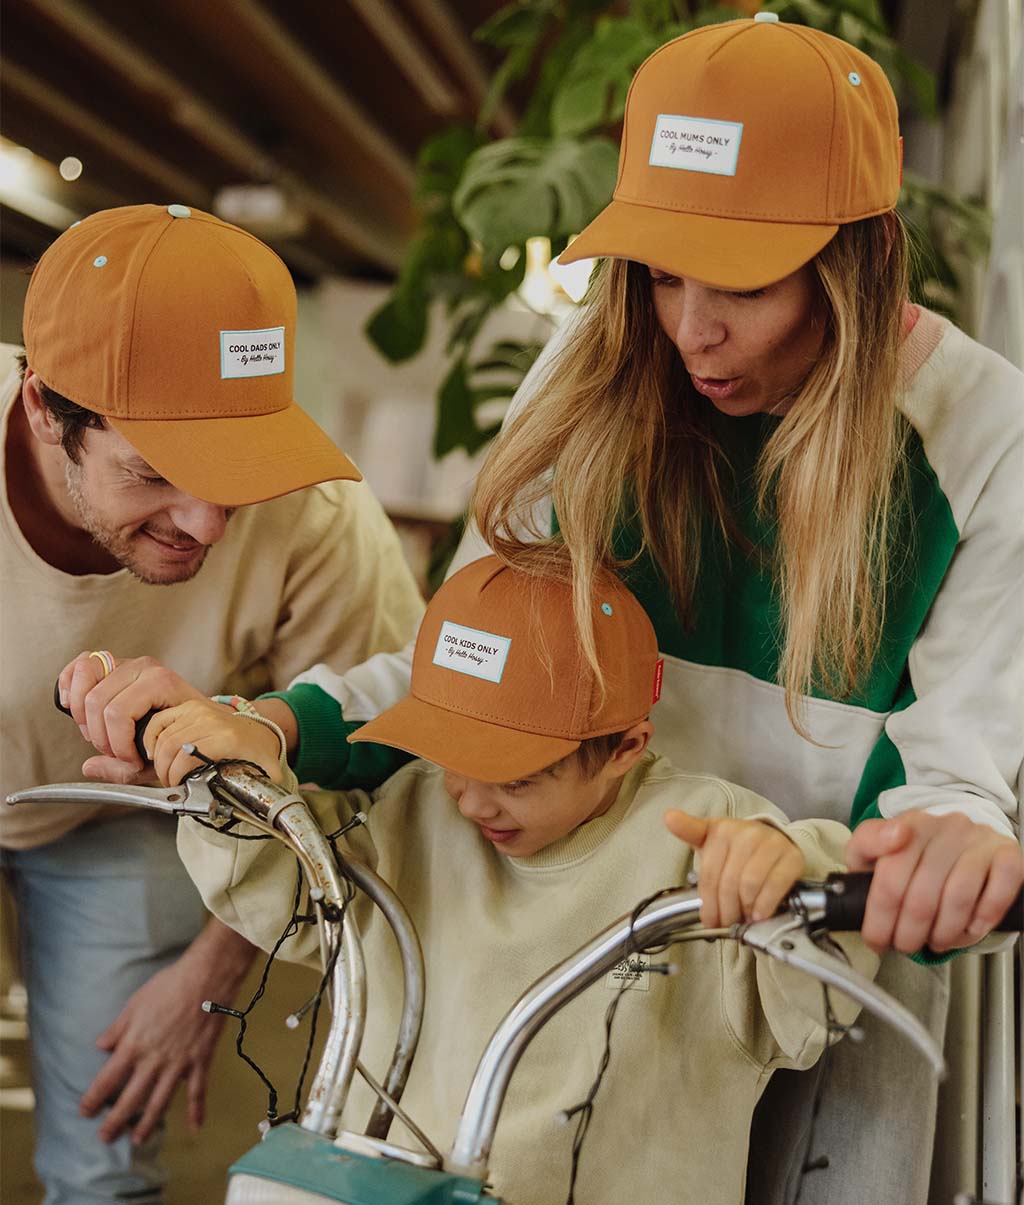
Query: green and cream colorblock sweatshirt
point(691, 1052)
point(938, 721)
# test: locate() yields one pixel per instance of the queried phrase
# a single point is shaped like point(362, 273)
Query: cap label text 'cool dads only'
point(252, 353)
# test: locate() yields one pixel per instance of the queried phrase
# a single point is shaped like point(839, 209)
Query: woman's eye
point(664, 280)
point(750, 294)
point(514, 788)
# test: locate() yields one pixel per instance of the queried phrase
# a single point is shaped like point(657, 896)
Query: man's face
point(523, 817)
point(155, 531)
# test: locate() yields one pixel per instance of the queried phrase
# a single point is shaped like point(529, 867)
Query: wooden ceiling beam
point(413, 59)
point(449, 32)
point(208, 126)
point(350, 117)
point(43, 96)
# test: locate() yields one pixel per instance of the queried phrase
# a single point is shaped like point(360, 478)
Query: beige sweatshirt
point(691, 1052)
point(318, 574)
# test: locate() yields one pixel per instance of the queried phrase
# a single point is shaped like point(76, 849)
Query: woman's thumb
point(687, 828)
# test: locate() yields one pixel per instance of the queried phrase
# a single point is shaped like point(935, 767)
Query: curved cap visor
point(239, 460)
point(728, 253)
point(463, 744)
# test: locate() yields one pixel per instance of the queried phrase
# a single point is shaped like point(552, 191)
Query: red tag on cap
point(659, 671)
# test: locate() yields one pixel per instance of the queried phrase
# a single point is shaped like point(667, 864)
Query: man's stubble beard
point(111, 541)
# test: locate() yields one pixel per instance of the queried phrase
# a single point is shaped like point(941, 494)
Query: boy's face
point(523, 817)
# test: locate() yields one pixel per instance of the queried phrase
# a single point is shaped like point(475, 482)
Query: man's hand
point(106, 708)
point(940, 881)
point(746, 866)
point(162, 1036)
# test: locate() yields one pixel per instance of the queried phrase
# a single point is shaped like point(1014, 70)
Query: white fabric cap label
point(252, 353)
point(696, 144)
point(468, 651)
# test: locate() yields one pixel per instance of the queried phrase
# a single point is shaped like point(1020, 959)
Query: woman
point(814, 488)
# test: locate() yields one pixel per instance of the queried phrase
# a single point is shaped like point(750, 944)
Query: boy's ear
point(631, 748)
point(45, 426)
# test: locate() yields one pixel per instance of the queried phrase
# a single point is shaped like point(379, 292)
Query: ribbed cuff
point(928, 958)
point(323, 753)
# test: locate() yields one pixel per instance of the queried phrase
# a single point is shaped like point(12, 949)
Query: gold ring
point(105, 659)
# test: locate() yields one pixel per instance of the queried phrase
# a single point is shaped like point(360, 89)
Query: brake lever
point(193, 797)
point(785, 938)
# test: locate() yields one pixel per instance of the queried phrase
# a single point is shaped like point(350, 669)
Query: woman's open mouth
point(716, 387)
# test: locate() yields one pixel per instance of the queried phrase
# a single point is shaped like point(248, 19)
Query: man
point(154, 399)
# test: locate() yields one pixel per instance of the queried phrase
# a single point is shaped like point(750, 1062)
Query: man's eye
point(148, 478)
point(520, 784)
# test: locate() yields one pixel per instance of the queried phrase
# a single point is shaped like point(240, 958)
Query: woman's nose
point(698, 325)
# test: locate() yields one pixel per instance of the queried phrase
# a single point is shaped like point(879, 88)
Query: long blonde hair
point(617, 433)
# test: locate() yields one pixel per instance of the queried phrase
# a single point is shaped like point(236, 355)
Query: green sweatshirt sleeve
point(324, 755)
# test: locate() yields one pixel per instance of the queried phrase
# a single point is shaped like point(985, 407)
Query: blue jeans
point(877, 1119)
point(100, 911)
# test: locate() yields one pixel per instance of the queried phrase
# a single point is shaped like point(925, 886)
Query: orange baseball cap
point(500, 685)
point(745, 146)
point(180, 330)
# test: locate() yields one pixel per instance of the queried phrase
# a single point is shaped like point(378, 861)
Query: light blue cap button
point(769, 17)
point(179, 211)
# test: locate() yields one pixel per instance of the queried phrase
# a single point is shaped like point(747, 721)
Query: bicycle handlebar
point(846, 897)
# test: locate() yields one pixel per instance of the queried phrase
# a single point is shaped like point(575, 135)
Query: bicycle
point(308, 1162)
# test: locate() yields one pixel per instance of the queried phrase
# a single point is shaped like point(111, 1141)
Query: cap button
point(771, 18)
point(179, 211)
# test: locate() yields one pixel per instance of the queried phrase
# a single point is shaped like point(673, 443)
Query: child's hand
point(217, 732)
point(746, 866)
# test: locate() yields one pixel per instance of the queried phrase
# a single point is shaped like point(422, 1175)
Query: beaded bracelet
point(244, 708)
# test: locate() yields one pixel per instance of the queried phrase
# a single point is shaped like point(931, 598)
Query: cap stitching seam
point(728, 213)
point(536, 731)
point(831, 79)
point(130, 333)
point(839, 219)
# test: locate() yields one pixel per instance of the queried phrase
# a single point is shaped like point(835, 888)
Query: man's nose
point(203, 521)
point(698, 323)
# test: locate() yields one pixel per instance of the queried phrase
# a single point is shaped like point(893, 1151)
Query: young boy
point(536, 820)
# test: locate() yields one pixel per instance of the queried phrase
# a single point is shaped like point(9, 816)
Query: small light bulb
point(70, 168)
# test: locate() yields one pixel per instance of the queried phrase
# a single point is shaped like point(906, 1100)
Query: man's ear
point(631, 748)
point(45, 427)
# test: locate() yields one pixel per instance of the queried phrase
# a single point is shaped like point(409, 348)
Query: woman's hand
point(940, 881)
point(746, 866)
point(105, 708)
point(217, 732)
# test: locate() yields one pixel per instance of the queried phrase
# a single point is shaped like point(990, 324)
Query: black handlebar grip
point(140, 725)
point(846, 896)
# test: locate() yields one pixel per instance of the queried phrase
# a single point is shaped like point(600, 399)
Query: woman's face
point(746, 352)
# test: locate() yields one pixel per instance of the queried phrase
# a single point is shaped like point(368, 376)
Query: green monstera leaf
point(521, 187)
point(593, 92)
